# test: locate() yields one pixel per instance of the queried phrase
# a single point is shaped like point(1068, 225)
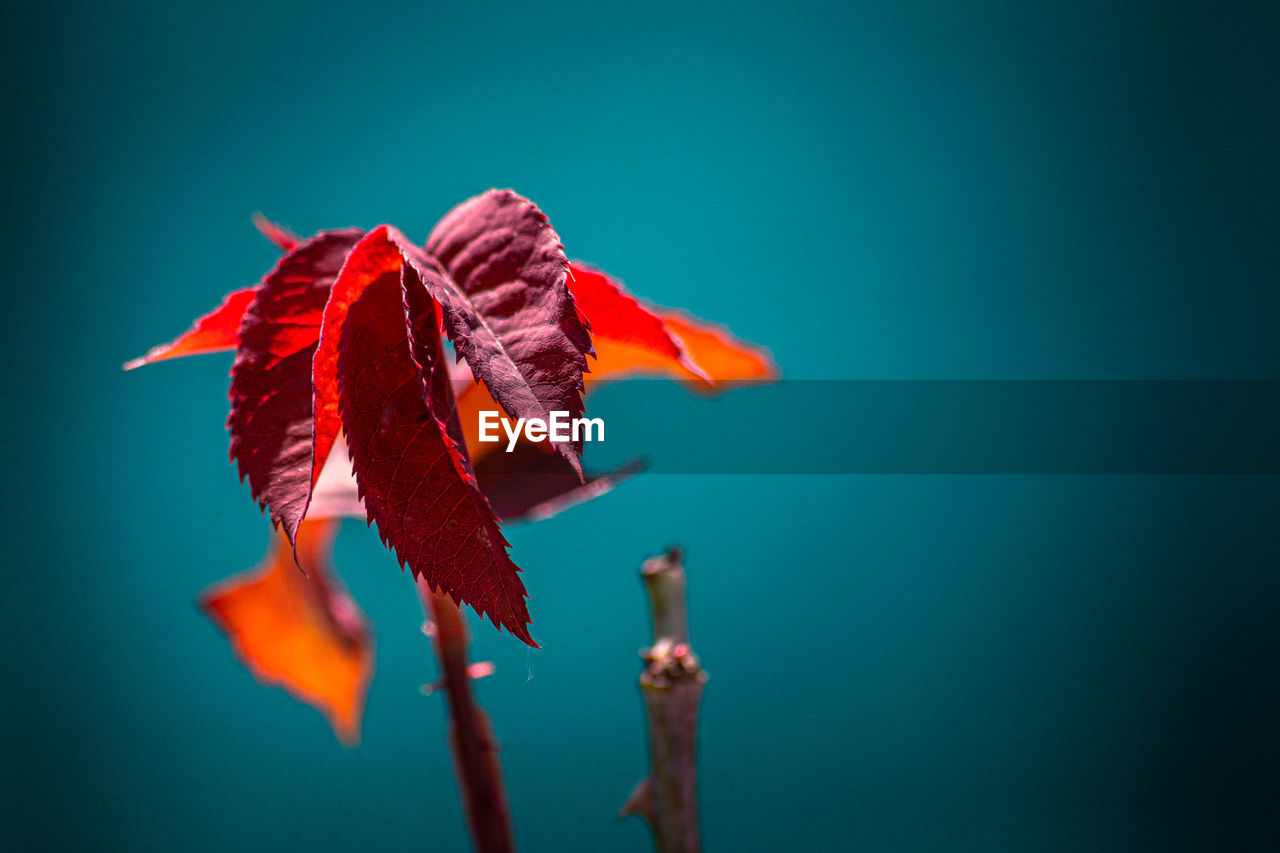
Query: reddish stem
point(475, 749)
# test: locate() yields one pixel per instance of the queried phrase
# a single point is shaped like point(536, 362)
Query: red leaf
point(385, 252)
point(381, 254)
point(416, 482)
point(504, 254)
point(283, 239)
point(634, 339)
point(271, 400)
point(344, 335)
point(625, 323)
point(219, 329)
point(214, 332)
point(300, 629)
point(531, 483)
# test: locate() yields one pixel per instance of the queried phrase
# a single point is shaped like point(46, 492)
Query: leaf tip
point(282, 238)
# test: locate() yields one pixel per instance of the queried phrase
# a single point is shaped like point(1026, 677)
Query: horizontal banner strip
point(944, 427)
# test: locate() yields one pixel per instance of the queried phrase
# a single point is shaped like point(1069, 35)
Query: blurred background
point(899, 190)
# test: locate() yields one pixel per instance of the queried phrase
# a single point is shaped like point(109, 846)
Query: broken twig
point(671, 684)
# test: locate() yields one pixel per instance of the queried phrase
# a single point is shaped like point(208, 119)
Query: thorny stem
point(671, 684)
point(475, 749)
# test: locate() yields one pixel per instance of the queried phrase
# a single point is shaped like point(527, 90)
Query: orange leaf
point(634, 339)
point(302, 632)
point(721, 356)
point(219, 330)
point(216, 331)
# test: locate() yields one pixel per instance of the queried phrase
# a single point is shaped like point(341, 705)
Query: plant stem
point(671, 684)
point(475, 749)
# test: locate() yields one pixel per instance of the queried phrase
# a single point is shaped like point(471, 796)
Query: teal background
point(893, 190)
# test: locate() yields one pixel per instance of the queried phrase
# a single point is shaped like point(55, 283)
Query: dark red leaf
point(531, 483)
point(271, 400)
point(380, 254)
point(415, 480)
point(384, 252)
point(504, 254)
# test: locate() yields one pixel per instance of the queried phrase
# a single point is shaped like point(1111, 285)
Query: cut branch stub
point(671, 684)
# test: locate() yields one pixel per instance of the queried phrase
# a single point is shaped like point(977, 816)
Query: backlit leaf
point(384, 254)
point(505, 256)
point(271, 399)
point(622, 323)
point(219, 330)
point(344, 337)
point(415, 480)
point(216, 331)
point(634, 339)
point(721, 356)
point(300, 631)
point(282, 238)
